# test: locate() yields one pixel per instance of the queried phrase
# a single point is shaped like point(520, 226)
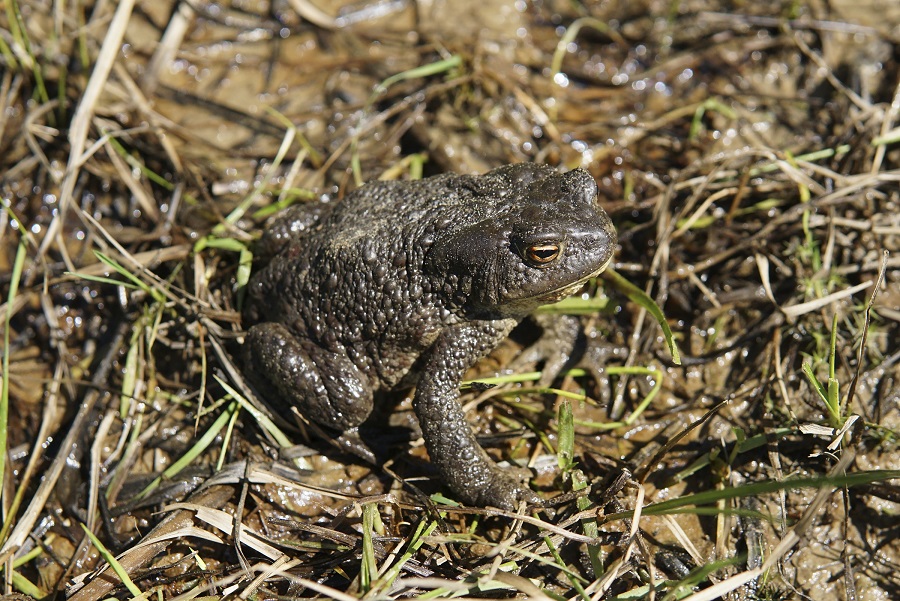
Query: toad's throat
point(554, 296)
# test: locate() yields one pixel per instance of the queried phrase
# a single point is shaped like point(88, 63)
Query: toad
point(410, 283)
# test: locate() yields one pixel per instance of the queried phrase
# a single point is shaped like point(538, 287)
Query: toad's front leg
point(461, 461)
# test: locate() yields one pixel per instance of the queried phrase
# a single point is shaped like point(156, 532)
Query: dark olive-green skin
point(411, 283)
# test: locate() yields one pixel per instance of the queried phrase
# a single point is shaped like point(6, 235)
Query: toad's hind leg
point(325, 387)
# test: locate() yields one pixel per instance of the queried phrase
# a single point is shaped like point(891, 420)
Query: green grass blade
point(261, 418)
point(761, 488)
point(104, 280)
point(129, 374)
point(113, 563)
point(201, 445)
point(368, 569)
point(428, 70)
point(565, 453)
point(814, 382)
point(4, 377)
point(24, 585)
point(121, 270)
point(423, 531)
point(638, 296)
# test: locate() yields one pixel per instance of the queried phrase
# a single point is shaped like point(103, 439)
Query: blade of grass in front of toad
point(135, 281)
point(416, 540)
point(226, 439)
point(565, 427)
point(700, 575)
point(201, 445)
point(18, 265)
point(368, 569)
point(891, 137)
point(130, 372)
point(588, 524)
point(245, 257)
point(238, 213)
point(576, 584)
point(830, 393)
point(20, 582)
point(825, 153)
point(833, 401)
point(113, 563)
point(655, 372)
point(8, 55)
point(638, 296)
point(685, 504)
point(27, 587)
point(476, 585)
point(748, 444)
point(648, 398)
point(566, 461)
point(441, 66)
point(576, 305)
point(261, 418)
point(705, 221)
point(410, 165)
point(135, 163)
point(446, 65)
point(287, 197)
point(710, 104)
point(569, 37)
point(20, 37)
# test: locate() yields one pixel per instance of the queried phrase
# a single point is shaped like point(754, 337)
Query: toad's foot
point(506, 488)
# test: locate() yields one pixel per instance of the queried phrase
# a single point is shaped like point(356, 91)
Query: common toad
point(411, 283)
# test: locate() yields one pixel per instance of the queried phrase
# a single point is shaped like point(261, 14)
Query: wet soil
point(747, 153)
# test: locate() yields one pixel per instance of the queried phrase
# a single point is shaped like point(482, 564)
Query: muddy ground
point(747, 153)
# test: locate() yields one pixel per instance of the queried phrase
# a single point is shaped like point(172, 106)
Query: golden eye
point(541, 255)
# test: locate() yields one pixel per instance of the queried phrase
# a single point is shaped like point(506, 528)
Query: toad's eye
point(541, 255)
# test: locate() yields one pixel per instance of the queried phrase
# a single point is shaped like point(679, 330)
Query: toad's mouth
point(556, 295)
